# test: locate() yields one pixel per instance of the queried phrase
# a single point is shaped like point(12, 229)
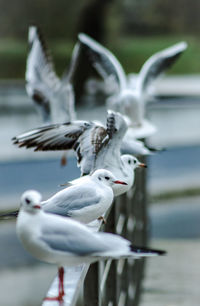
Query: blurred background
point(133, 30)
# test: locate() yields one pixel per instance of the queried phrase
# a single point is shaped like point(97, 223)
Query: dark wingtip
point(9, 215)
point(152, 149)
point(141, 250)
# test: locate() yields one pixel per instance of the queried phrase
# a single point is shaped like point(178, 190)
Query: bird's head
point(107, 178)
point(132, 162)
point(31, 201)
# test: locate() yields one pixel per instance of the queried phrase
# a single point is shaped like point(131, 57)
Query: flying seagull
point(54, 97)
point(130, 101)
point(96, 146)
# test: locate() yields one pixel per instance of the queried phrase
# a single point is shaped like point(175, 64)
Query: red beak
point(120, 182)
point(37, 206)
point(142, 165)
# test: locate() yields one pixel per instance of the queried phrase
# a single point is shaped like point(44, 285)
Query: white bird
point(84, 200)
point(130, 101)
point(66, 242)
point(53, 97)
point(96, 147)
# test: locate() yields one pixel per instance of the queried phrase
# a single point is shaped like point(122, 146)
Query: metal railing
point(112, 282)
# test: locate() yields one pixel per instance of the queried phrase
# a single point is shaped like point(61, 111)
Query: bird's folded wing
point(66, 202)
point(75, 238)
point(69, 236)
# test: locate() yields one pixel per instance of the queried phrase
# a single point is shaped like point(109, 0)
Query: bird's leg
point(63, 160)
point(61, 292)
point(101, 218)
point(61, 282)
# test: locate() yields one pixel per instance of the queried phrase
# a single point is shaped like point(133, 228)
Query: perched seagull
point(96, 147)
point(84, 201)
point(130, 101)
point(66, 242)
point(53, 97)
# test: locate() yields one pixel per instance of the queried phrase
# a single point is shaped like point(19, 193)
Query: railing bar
point(131, 291)
point(122, 299)
point(131, 223)
point(91, 286)
point(120, 266)
point(120, 224)
point(105, 274)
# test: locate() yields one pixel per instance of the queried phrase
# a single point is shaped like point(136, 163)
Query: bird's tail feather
point(9, 215)
point(146, 251)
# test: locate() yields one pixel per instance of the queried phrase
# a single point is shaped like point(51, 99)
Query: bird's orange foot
point(102, 219)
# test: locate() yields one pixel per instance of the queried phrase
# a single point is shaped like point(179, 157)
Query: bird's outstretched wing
point(87, 139)
point(157, 64)
point(53, 137)
point(54, 97)
point(104, 62)
point(40, 74)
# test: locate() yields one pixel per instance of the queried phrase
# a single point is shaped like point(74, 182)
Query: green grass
point(132, 52)
point(171, 195)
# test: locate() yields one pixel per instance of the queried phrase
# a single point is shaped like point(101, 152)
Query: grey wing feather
point(40, 74)
point(68, 75)
point(159, 63)
point(73, 239)
point(85, 138)
point(103, 61)
point(66, 201)
point(52, 137)
point(41, 79)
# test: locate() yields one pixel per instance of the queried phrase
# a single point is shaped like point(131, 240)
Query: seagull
point(65, 242)
point(96, 146)
point(85, 200)
point(54, 97)
point(130, 101)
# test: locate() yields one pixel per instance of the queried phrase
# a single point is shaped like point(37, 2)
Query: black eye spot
point(135, 161)
point(107, 178)
point(99, 178)
point(27, 201)
point(129, 161)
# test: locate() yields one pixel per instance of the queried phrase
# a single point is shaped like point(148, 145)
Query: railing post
point(137, 233)
point(91, 286)
point(110, 290)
